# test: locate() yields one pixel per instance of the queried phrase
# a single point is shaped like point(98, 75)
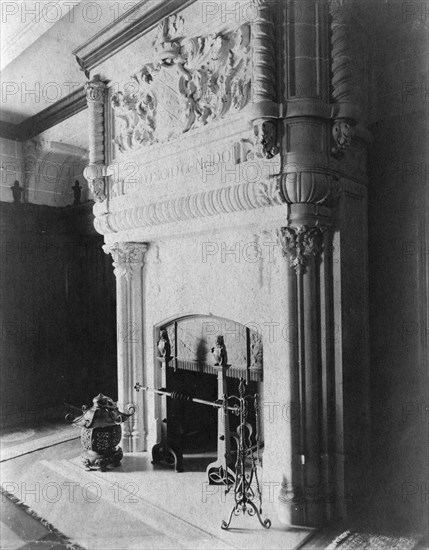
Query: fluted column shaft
point(309, 476)
point(128, 262)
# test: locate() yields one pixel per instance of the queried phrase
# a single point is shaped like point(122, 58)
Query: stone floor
point(19, 440)
point(135, 506)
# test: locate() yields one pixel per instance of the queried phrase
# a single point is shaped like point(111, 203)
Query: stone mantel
point(217, 81)
point(226, 129)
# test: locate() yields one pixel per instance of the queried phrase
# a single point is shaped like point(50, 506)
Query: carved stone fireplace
point(228, 161)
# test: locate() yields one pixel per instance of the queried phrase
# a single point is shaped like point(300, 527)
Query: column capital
point(95, 90)
point(126, 257)
point(299, 243)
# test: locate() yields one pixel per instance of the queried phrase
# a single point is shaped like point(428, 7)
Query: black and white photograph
point(214, 274)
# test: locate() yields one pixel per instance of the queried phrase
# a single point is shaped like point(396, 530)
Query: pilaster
point(128, 263)
point(95, 172)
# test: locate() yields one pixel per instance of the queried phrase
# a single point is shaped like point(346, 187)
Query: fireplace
point(227, 183)
point(190, 371)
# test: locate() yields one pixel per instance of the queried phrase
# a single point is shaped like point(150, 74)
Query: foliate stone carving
point(167, 41)
point(189, 83)
point(299, 244)
point(126, 256)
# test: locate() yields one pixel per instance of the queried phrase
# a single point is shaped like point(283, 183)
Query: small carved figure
point(17, 192)
point(219, 352)
point(77, 191)
point(164, 346)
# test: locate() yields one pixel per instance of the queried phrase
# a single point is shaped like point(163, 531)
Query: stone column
point(128, 262)
point(307, 490)
point(95, 172)
point(306, 182)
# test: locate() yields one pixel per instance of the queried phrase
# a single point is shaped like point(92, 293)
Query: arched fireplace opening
point(193, 428)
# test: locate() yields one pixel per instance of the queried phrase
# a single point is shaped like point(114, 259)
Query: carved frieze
point(189, 83)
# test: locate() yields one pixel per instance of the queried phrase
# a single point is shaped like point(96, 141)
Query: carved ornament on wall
point(189, 83)
point(265, 138)
point(342, 134)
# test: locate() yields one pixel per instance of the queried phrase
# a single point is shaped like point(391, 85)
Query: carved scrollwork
point(189, 83)
point(166, 44)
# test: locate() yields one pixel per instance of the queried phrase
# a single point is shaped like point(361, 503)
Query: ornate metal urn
point(101, 432)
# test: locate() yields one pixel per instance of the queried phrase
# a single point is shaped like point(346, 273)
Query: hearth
point(189, 369)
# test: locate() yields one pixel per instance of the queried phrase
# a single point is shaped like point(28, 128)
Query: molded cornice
point(51, 116)
point(126, 29)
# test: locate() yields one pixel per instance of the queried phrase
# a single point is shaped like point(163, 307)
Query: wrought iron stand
point(246, 487)
point(245, 480)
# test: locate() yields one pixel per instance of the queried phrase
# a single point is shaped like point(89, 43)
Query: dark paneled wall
point(58, 311)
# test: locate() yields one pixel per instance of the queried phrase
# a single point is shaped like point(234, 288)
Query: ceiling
point(23, 22)
point(37, 67)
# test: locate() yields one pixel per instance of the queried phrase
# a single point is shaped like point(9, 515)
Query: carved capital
point(299, 244)
point(95, 90)
point(126, 257)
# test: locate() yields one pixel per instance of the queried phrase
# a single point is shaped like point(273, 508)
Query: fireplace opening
point(198, 422)
point(194, 428)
